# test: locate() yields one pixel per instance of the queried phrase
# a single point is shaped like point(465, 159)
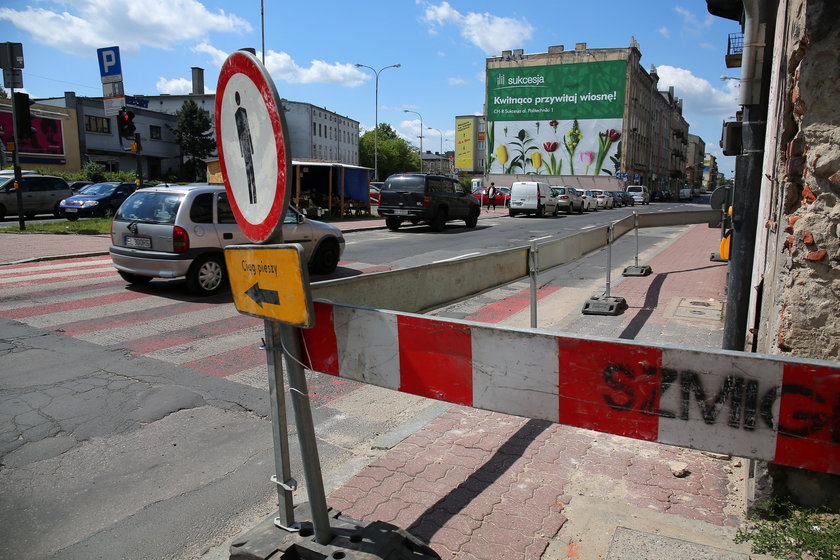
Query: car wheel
point(326, 258)
point(511, 213)
point(438, 221)
point(2, 212)
point(393, 223)
point(580, 209)
point(472, 219)
point(108, 212)
point(206, 276)
point(134, 278)
point(57, 210)
point(540, 211)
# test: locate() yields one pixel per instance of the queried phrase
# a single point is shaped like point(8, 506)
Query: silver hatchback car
point(181, 231)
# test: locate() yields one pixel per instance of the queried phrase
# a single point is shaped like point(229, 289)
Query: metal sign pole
point(306, 434)
point(282, 467)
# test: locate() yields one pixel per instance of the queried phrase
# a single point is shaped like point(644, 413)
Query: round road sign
point(251, 137)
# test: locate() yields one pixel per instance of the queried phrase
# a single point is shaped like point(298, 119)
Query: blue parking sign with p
point(109, 62)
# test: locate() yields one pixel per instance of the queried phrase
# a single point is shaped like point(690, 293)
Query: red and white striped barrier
point(749, 405)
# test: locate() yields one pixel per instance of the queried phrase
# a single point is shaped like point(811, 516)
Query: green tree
point(395, 154)
point(194, 133)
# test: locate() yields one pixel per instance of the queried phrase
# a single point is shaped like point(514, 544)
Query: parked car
point(589, 202)
point(686, 194)
point(76, 186)
point(181, 231)
point(626, 198)
point(40, 194)
point(531, 197)
point(422, 197)
point(640, 193)
point(618, 200)
point(604, 200)
point(567, 199)
point(660, 196)
point(502, 197)
point(99, 199)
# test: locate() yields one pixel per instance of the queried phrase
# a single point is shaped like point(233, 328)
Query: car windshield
point(99, 189)
point(405, 184)
point(150, 207)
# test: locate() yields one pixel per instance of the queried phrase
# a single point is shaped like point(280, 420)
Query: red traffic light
point(125, 124)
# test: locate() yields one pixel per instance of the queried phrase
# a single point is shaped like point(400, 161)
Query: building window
point(154, 132)
point(97, 124)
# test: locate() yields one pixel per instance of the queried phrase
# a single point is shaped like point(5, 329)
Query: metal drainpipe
point(758, 36)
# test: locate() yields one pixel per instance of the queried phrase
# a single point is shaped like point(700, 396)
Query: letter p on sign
point(109, 62)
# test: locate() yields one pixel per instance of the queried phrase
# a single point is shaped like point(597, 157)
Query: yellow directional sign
point(271, 282)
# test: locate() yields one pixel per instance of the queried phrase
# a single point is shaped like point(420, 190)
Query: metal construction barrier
point(771, 408)
point(422, 288)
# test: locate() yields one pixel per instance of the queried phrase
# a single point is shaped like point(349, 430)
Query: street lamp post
point(376, 111)
point(421, 135)
point(441, 145)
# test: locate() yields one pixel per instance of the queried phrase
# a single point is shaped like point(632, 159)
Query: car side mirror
point(300, 218)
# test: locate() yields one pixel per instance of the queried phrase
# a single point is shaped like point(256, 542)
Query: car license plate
point(138, 242)
point(401, 212)
point(71, 210)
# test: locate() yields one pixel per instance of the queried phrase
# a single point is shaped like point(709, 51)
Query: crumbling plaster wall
point(800, 309)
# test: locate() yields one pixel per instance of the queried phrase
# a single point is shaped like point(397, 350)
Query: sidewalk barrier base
point(352, 540)
point(717, 258)
point(602, 305)
point(637, 270)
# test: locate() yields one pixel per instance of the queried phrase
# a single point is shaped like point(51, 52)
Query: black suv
point(420, 197)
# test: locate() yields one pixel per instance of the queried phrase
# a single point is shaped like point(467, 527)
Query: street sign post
point(255, 160)
point(251, 138)
point(110, 71)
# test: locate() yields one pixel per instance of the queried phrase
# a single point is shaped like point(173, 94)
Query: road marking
point(543, 237)
point(458, 257)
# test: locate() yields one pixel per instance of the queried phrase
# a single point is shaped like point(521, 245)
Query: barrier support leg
point(636, 270)
point(605, 304)
point(533, 266)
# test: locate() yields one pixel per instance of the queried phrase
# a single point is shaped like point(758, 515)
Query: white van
point(640, 193)
point(532, 197)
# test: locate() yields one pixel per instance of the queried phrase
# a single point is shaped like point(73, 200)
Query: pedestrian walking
point(491, 196)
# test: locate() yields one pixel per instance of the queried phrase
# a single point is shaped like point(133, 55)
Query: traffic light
point(23, 118)
point(125, 124)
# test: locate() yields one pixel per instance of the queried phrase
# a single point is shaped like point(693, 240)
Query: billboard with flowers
point(561, 119)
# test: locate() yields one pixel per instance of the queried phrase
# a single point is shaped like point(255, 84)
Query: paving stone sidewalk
point(481, 485)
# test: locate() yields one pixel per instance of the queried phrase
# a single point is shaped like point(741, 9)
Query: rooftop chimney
point(197, 80)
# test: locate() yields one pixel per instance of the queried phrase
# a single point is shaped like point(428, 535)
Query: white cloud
point(457, 81)
point(217, 56)
point(281, 66)
point(492, 34)
point(690, 22)
point(665, 32)
point(176, 86)
point(84, 25)
point(698, 95)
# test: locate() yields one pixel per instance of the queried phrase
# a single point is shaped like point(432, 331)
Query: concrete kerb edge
point(56, 257)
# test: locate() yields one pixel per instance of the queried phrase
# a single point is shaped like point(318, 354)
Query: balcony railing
point(734, 50)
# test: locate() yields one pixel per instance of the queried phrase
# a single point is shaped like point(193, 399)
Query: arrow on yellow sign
point(261, 296)
point(271, 282)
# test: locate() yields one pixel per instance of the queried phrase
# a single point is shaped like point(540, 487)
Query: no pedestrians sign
point(251, 138)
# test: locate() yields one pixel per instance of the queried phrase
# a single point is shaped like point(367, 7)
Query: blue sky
point(311, 49)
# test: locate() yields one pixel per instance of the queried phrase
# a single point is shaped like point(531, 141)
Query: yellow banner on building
point(464, 137)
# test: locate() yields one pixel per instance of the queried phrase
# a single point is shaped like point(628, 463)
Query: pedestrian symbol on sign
point(246, 147)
